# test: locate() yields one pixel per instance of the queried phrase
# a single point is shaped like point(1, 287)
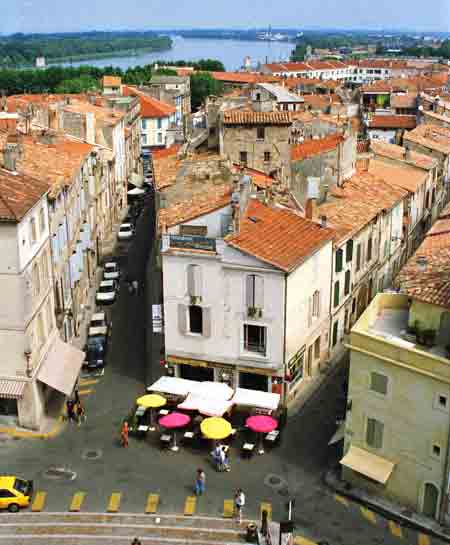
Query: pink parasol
point(174, 420)
point(261, 423)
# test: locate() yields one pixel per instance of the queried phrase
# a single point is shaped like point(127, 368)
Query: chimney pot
point(323, 221)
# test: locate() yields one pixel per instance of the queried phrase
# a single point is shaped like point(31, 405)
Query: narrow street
point(92, 451)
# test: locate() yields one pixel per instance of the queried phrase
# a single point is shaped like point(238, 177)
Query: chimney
point(10, 153)
point(311, 209)
point(407, 153)
point(323, 221)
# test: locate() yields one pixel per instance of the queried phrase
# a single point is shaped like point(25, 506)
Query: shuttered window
point(347, 283)
point(358, 257)
point(194, 281)
point(339, 260)
point(379, 383)
point(254, 291)
point(335, 333)
point(182, 314)
point(336, 293)
point(369, 249)
point(374, 433)
point(349, 251)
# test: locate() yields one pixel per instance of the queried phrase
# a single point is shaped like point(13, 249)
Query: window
point(195, 319)
point(335, 333)
point(258, 96)
point(369, 250)
point(260, 133)
point(295, 366)
point(316, 304)
point(358, 257)
point(6, 494)
point(36, 280)
point(267, 156)
point(194, 281)
point(243, 158)
point(441, 402)
point(159, 138)
point(143, 139)
point(374, 433)
point(347, 283)
point(144, 124)
point(255, 339)
point(336, 294)
point(379, 383)
point(381, 283)
point(33, 231)
point(42, 222)
point(194, 230)
point(349, 251)
point(254, 292)
point(339, 259)
point(317, 348)
point(436, 450)
point(159, 123)
point(353, 306)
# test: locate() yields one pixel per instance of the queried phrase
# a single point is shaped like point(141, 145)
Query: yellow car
point(15, 493)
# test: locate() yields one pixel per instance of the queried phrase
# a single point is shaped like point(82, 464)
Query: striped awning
point(11, 389)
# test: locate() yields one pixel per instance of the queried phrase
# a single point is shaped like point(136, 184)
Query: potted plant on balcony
point(254, 312)
point(195, 300)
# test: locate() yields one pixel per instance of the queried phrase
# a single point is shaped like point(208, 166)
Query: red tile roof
point(111, 81)
point(392, 151)
point(312, 147)
point(245, 117)
point(278, 236)
point(392, 122)
point(406, 100)
point(402, 175)
point(150, 107)
point(431, 137)
point(18, 194)
point(243, 77)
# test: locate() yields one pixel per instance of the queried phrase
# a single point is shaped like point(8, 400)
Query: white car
point(106, 292)
point(126, 231)
point(111, 271)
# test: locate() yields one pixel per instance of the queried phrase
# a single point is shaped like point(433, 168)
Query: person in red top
point(124, 434)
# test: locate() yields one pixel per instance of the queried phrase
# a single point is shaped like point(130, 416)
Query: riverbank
point(109, 55)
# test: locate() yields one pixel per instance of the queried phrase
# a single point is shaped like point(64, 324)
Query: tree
point(165, 72)
point(77, 85)
point(203, 85)
point(209, 65)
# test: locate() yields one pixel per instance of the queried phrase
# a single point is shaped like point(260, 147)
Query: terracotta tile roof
point(18, 194)
point(111, 81)
point(392, 151)
point(360, 200)
point(392, 122)
point(243, 77)
point(433, 284)
point(312, 147)
point(407, 177)
point(260, 179)
point(166, 165)
point(430, 136)
point(434, 115)
point(150, 107)
point(278, 236)
point(407, 100)
point(244, 117)
point(213, 198)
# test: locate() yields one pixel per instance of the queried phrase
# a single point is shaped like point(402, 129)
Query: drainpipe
point(284, 343)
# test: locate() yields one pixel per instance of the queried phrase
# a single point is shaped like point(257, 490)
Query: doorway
point(196, 373)
point(430, 500)
point(253, 381)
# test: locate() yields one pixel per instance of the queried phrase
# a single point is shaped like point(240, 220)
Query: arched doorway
point(430, 500)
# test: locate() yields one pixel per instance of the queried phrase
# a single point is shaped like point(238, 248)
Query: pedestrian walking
point(81, 415)
point(136, 541)
point(124, 434)
point(135, 285)
point(70, 408)
point(239, 502)
point(200, 482)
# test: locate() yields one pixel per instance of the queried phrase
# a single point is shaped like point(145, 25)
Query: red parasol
point(174, 420)
point(261, 423)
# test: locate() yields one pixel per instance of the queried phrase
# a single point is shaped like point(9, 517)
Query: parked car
point(111, 271)
point(96, 345)
point(99, 319)
point(126, 231)
point(15, 493)
point(106, 292)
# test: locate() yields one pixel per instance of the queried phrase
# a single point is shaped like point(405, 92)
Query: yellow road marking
point(189, 505)
point(228, 508)
point(77, 501)
point(114, 502)
point(342, 500)
point(395, 529)
point(266, 507)
point(39, 501)
point(85, 392)
point(152, 503)
point(298, 540)
point(88, 382)
point(368, 515)
point(424, 539)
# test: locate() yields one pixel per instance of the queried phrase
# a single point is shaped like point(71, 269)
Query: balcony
point(192, 242)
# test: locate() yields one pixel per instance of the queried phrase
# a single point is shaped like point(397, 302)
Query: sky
point(66, 16)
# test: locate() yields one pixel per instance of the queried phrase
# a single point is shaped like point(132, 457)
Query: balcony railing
point(193, 242)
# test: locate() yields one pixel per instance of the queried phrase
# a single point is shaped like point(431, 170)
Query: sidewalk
point(388, 509)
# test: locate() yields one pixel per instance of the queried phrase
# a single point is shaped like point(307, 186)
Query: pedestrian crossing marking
point(266, 507)
point(228, 508)
point(114, 502)
point(152, 503)
point(424, 539)
point(368, 515)
point(395, 529)
point(39, 501)
point(342, 500)
point(298, 540)
point(77, 501)
point(190, 505)
point(88, 382)
point(85, 392)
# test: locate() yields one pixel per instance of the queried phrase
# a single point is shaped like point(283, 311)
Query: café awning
point(375, 467)
point(256, 398)
point(61, 367)
point(11, 389)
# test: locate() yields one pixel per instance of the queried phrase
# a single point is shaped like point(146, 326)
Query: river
point(230, 52)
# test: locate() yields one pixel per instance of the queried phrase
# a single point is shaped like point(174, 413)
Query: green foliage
point(443, 51)
point(203, 85)
point(165, 72)
point(299, 53)
point(77, 85)
point(203, 65)
point(22, 49)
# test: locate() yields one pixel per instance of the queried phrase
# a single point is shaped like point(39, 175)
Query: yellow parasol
point(151, 401)
point(216, 428)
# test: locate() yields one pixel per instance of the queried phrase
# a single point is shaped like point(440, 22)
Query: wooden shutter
point(249, 290)
point(182, 325)
point(194, 280)
point(206, 322)
point(259, 292)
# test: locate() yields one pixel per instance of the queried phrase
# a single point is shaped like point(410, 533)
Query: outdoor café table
point(151, 401)
point(261, 424)
point(173, 421)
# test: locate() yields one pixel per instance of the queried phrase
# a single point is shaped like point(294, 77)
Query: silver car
point(106, 293)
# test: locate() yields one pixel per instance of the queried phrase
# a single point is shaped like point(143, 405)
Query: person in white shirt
point(239, 502)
